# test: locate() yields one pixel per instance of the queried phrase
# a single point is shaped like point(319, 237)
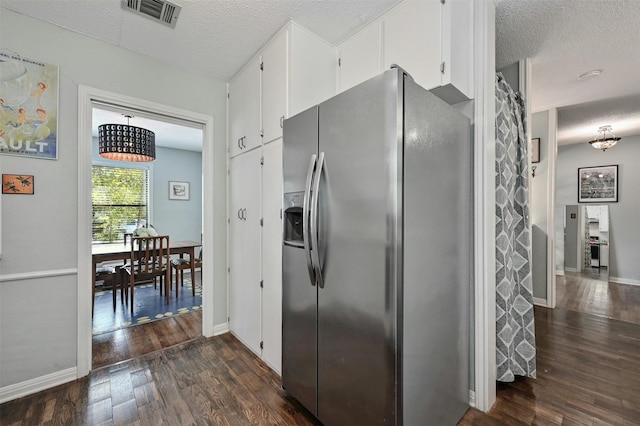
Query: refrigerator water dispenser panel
point(293, 203)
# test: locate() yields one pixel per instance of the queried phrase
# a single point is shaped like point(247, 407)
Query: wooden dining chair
point(149, 259)
point(180, 264)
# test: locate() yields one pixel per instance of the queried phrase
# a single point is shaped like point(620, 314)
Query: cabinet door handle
point(282, 122)
point(240, 214)
point(243, 144)
point(244, 214)
point(239, 146)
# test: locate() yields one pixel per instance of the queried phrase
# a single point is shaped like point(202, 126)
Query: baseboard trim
point(220, 329)
point(627, 281)
point(472, 398)
point(18, 390)
point(540, 302)
point(560, 272)
point(571, 269)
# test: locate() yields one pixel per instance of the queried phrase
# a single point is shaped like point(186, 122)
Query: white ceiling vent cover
point(158, 10)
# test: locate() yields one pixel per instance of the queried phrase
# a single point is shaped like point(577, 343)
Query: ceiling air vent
point(158, 10)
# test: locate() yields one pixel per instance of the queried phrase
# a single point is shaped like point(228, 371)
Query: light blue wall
point(38, 319)
point(624, 216)
point(181, 220)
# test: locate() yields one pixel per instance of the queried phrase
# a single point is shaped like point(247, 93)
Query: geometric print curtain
point(515, 330)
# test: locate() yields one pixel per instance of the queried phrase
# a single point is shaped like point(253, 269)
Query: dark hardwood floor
point(137, 340)
point(588, 374)
point(592, 293)
point(132, 342)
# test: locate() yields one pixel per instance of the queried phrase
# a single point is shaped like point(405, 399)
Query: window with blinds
point(119, 199)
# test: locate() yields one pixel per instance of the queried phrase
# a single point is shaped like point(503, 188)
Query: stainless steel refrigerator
point(377, 256)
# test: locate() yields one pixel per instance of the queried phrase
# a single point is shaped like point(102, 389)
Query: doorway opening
point(136, 198)
point(90, 100)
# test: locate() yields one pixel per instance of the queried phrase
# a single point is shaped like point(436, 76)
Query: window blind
point(119, 198)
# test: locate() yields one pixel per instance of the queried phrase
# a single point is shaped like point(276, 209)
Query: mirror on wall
point(586, 239)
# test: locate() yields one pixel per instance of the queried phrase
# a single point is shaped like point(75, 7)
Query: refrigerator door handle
point(306, 210)
point(315, 253)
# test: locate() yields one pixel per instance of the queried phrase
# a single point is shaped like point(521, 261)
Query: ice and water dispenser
point(293, 203)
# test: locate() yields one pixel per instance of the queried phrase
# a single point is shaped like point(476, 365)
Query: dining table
point(117, 251)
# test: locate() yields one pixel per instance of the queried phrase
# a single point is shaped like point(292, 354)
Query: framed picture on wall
point(535, 150)
point(598, 184)
point(17, 184)
point(178, 190)
point(29, 108)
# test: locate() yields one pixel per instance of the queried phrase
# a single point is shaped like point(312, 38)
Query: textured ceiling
point(213, 37)
point(563, 38)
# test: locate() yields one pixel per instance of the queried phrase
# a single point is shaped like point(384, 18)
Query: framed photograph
point(179, 190)
point(17, 184)
point(598, 184)
point(535, 150)
point(29, 110)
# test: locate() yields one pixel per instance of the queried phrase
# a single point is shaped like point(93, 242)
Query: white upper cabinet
point(274, 86)
point(312, 70)
point(430, 40)
point(360, 57)
point(294, 71)
point(244, 109)
point(456, 84)
point(412, 40)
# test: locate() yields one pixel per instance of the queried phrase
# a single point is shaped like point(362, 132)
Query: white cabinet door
point(412, 40)
point(272, 255)
point(244, 253)
point(359, 57)
point(244, 109)
point(274, 87)
point(457, 51)
point(312, 72)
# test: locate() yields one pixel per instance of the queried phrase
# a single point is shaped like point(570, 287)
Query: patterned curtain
point(515, 339)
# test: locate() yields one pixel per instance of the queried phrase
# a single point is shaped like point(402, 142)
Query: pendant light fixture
point(122, 142)
point(603, 141)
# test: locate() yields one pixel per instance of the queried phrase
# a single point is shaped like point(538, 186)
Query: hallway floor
point(591, 292)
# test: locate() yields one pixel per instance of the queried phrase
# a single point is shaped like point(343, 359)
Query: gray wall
point(624, 216)
point(38, 316)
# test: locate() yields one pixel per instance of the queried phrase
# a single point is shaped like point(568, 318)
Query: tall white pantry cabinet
point(294, 71)
point(430, 39)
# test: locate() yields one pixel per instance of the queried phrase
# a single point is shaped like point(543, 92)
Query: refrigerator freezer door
point(359, 136)
point(437, 256)
point(300, 142)
point(298, 329)
point(299, 295)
